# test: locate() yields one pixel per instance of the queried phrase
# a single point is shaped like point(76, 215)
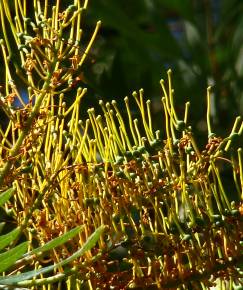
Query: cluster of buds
point(170, 221)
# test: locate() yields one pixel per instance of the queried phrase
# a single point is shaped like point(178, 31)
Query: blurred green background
point(201, 41)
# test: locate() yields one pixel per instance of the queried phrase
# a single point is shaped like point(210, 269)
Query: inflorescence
point(170, 219)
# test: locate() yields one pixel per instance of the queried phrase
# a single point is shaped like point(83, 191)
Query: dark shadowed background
point(202, 41)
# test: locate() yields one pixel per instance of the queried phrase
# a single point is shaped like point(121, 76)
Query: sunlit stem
point(240, 169)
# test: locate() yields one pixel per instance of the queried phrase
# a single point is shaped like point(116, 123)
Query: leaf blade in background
point(5, 240)
point(5, 196)
point(57, 241)
point(88, 245)
point(11, 256)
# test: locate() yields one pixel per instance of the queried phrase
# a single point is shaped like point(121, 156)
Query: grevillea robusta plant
point(108, 202)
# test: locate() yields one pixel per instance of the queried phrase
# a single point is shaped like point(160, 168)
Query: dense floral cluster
point(169, 219)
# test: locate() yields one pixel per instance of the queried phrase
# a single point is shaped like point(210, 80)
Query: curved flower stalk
point(171, 222)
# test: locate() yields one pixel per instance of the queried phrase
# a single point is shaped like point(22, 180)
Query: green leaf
point(10, 257)
point(89, 244)
point(57, 241)
point(8, 238)
point(5, 196)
